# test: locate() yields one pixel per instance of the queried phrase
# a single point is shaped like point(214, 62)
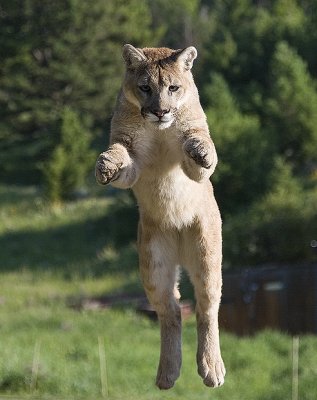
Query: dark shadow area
point(92, 247)
point(15, 195)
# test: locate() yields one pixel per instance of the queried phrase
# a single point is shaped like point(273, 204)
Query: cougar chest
point(165, 153)
point(163, 191)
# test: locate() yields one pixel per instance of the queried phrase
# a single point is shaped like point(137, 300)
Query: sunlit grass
point(257, 368)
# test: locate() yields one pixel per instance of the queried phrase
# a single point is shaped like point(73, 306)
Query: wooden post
point(103, 369)
point(295, 353)
point(35, 365)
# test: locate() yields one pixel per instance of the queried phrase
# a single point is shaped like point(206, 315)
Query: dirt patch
point(136, 301)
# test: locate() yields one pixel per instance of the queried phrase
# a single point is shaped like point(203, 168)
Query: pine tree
point(245, 155)
point(57, 53)
point(71, 160)
point(278, 227)
point(292, 108)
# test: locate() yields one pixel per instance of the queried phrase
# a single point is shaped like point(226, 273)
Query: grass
point(48, 350)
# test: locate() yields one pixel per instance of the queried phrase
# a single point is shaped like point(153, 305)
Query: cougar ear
point(132, 56)
point(186, 57)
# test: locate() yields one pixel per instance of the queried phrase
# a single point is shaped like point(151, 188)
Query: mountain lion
point(161, 148)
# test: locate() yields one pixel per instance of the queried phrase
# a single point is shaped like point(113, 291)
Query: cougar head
point(158, 81)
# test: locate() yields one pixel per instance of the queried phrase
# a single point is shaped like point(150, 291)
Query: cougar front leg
point(159, 276)
point(117, 167)
point(205, 272)
point(200, 157)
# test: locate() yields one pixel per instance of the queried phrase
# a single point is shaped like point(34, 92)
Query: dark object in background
point(283, 298)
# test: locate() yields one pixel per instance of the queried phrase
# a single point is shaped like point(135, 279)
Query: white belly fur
point(164, 192)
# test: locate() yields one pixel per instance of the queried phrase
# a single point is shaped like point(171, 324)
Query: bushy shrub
point(71, 159)
point(244, 154)
point(278, 228)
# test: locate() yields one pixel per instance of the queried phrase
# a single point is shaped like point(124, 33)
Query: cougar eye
point(173, 88)
point(145, 88)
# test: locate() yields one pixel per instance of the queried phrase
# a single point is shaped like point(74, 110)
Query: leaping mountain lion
point(160, 147)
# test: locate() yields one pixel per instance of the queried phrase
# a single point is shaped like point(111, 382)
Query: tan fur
point(161, 148)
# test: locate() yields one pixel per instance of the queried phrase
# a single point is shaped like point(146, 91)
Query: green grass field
point(48, 350)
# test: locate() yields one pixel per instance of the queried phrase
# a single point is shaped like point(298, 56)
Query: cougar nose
point(159, 113)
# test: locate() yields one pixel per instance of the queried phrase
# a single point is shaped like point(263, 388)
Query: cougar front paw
point(200, 151)
point(106, 170)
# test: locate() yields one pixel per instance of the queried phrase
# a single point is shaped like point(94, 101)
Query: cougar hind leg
point(202, 255)
point(159, 274)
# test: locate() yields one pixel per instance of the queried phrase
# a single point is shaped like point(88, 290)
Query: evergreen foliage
point(293, 107)
point(238, 137)
point(278, 227)
point(71, 159)
point(56, 54)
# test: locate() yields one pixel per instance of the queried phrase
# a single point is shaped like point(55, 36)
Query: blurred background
point(72, 309)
